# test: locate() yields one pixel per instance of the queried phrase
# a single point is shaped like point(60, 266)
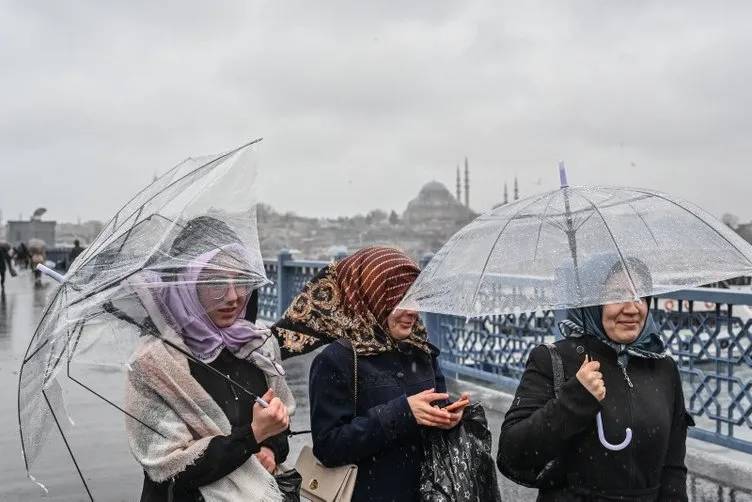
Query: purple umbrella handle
point(51, 273)
point(563, 175)
point(605, 443)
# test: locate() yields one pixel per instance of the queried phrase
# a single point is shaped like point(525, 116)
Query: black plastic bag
point(458, 465)
point(289, 484)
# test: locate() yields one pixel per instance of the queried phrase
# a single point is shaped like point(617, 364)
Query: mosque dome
point(435, 203)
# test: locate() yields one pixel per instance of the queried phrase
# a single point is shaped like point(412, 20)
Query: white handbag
point(325, 484)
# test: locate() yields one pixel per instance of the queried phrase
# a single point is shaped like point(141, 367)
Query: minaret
point(459, 196)
point(516, 190)
point(506, 194)
point(467, 184)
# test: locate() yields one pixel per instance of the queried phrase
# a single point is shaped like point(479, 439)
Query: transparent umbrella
point(554, 250)
point(108, 301)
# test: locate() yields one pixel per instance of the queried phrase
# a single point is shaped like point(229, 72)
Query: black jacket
point(224, 453)
point(538, 427)
point(382, 438)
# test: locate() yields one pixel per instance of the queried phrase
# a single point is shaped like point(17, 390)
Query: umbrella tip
point(563, 175)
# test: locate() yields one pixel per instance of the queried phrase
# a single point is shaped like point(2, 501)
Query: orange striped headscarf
point(375, 279)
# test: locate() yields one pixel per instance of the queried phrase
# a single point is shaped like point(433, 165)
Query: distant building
point(435, 205)
point(22, 231)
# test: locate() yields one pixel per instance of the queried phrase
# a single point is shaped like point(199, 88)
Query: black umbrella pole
point(70, 451)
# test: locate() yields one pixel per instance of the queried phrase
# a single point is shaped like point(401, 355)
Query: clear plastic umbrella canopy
point(194, 226)
point(557, 249)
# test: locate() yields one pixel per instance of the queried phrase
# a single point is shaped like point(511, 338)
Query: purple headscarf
point(203, 337)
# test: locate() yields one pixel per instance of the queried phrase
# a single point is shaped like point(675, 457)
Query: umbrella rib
point(100, 396)
point(540, 227)
point(498, 237)
point(644, 223)
point(613, 239)
point(67, 445)
point(701, 219)
point(130, 230)
point(36, 351)
point(220, 157)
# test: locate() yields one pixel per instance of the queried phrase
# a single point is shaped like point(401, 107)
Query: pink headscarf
point(203, 337)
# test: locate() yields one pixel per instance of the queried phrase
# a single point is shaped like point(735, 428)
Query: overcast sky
point(361, 103)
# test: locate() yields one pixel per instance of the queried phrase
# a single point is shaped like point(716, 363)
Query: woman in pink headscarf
point(194, 426)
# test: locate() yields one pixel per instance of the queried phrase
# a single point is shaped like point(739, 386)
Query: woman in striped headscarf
point(374, 422)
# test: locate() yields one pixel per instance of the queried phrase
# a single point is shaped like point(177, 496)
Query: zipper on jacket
point(629, 390)
point(626, 377)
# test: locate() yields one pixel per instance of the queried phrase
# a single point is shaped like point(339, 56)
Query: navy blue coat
point(382, 438)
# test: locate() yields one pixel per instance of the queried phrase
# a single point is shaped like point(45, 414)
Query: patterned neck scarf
point(351, 300)
point(589, 321)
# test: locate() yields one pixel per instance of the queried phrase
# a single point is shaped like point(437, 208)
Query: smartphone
point(460, 403)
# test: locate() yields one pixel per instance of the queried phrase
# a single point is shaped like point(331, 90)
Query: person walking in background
point(77, 250)
point(614, 364)
point(5, 263)
point(374, 388)
point(22, 256)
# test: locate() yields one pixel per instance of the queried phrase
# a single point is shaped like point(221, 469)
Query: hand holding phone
point(460, 403)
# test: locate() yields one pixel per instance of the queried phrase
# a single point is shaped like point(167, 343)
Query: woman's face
point(623, 322)
point(222, 296)
point(401, 322)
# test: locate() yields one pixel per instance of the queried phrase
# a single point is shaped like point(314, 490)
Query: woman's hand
point(427, 414)
point(268, 422)
point(592, 379)
point(266, 457)
point(456, 410)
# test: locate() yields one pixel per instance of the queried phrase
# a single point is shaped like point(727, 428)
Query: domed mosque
point(435, 205)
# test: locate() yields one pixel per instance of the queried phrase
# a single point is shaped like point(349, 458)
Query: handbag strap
point(355, 381)
point(558, 368)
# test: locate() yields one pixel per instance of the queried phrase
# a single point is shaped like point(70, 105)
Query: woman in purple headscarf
point(193, 427)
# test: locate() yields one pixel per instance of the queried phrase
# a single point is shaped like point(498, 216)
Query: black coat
point(382, 438)
point(224, 453)
point(539, 428)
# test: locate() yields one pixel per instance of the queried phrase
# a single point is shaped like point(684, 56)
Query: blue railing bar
point(503, 383)
point(306, 263)
point(720, 439)
point(710, 295)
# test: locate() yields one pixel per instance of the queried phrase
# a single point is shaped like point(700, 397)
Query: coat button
point(400, 375)
point(580, 349)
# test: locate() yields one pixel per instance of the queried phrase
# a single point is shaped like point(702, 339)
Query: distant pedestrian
point(613, 364)
point(5, 263)
point(77, 250)
point(22, 256)
point(38, 255)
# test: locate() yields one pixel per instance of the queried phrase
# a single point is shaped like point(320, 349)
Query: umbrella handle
point(563, 175)
point(604, 441)
point(51, 273)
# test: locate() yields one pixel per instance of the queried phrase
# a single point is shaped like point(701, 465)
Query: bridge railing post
point(284, 282)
